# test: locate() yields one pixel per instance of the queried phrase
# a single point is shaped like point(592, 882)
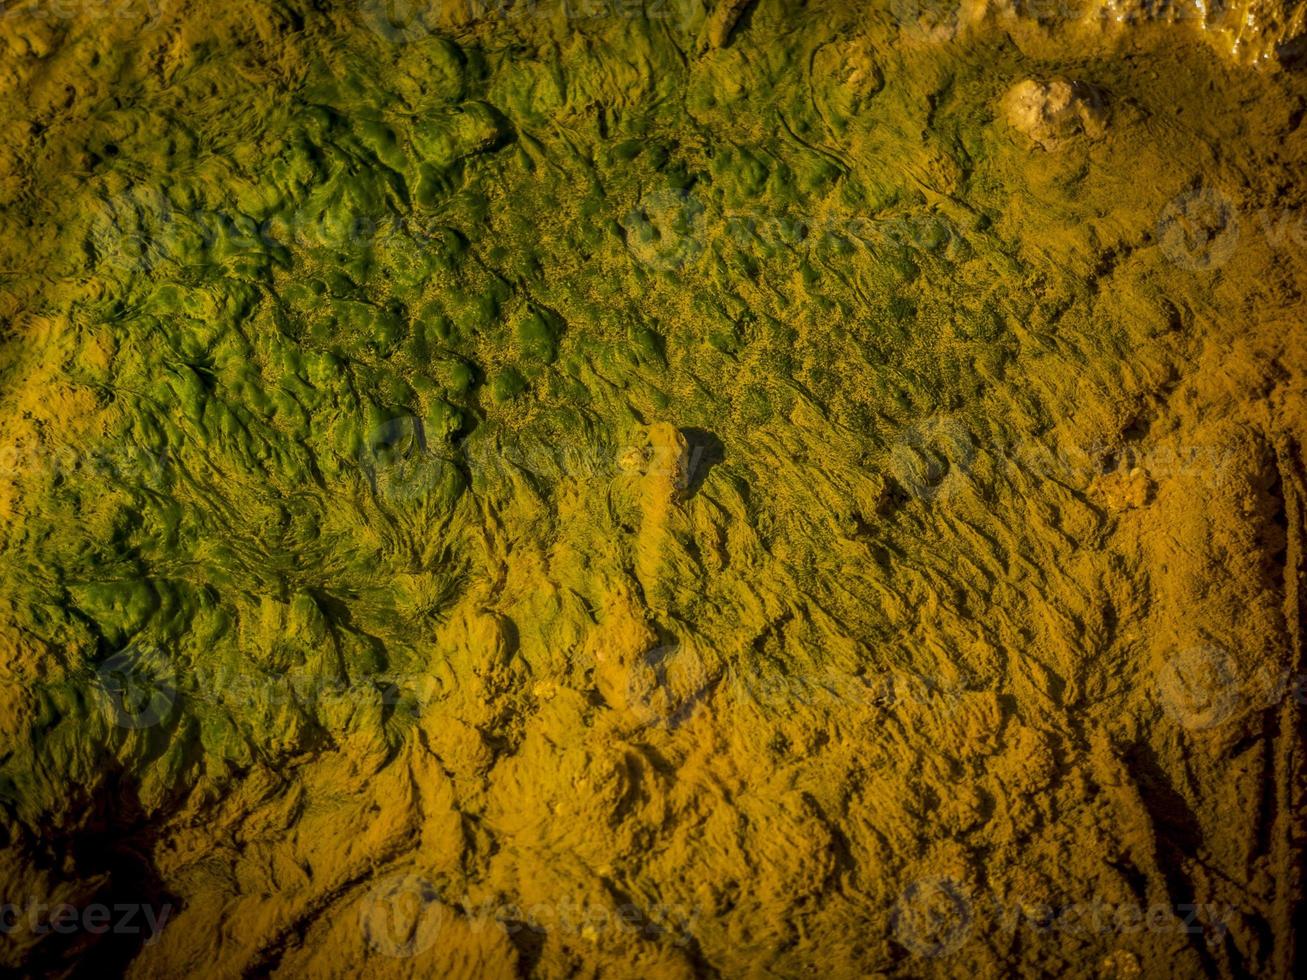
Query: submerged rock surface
point(650, 489)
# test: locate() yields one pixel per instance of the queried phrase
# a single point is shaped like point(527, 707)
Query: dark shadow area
point(114, 839)
point(705, 451)
point(1179, 837)
point(528, 938)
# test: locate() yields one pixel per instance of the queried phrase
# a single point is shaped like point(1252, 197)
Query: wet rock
point(1055, 112)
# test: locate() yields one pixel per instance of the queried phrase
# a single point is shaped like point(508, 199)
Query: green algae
point(352, 366)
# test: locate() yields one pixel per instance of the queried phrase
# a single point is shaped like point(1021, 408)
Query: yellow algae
point(668, 488)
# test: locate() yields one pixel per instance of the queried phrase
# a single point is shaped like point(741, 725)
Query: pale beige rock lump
point(1054, 112)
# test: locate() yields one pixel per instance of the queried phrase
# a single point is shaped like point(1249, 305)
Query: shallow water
point(649, 491)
